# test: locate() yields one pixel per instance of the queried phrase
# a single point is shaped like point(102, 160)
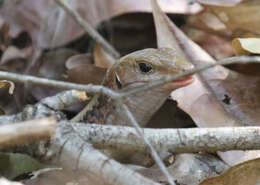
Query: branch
point(46, 107)
point(88, 28)
point(170, 140)
point(72, 151)
point(26, 132)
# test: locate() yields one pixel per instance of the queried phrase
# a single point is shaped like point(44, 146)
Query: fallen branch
point(171, 140)
point(72, 151)
point(26, 132)
point(49, 106)
point(88, 28)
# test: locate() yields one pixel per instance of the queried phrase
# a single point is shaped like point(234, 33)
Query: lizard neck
point(142, 105)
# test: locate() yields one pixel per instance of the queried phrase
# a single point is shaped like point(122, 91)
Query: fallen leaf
point(49, 26)
point(102, 58)
point(245, 173)
point(246, 46)
point(241, 19)
point(187, 169)
point(78, 60)
point(87, 74)
point(4, 83)
point(215, 99)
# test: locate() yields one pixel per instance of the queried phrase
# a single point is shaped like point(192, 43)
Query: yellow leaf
point(3, 83)
point(246, 46)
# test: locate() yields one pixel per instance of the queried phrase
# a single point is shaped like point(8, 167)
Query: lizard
point(131, 71)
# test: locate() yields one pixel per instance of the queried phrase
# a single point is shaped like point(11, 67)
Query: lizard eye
point(145, 68)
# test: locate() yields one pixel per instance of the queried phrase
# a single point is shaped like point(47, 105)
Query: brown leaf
point(187, 169)
point(102, 58)
point(245, 173)
point(78, 60)
point(81, 70)
point(87, 74)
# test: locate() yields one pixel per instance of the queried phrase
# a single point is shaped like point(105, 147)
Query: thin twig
point(88, 28)
point(147, 142)
point(112, 94)
point(57, 84)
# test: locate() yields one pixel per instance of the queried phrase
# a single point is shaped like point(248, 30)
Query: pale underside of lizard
point(132, 71)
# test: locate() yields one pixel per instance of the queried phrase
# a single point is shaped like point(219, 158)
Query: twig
point(171, 140)
point(114, 95)
point(88, 28)
point(57, 84)
point(25, 132)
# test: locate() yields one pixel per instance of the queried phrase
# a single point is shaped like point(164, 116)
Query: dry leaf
point(102, 58)
point(241, 19)
point(220, 2)
point(246, 46)
point(187, 169)
point(49, 26)
point(245, 173)
point(78, 60)
point(87, 74)
point(211, 102)
point(3, 83)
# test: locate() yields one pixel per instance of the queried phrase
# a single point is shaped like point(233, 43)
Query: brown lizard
point(132, 71)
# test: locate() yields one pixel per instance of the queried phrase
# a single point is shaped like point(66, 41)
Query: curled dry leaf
point(246, 46)
point(4, 83)
point(81, 70)
point(218, 97)
point(245, 173)
point(102, 58)
point(78, 60)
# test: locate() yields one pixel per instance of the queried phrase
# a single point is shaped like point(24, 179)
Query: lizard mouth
point(178, 83)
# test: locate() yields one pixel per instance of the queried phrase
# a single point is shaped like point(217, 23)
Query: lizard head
point(139, 68)
point(144, 66)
